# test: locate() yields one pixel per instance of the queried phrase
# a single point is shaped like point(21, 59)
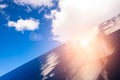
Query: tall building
point(89, 58)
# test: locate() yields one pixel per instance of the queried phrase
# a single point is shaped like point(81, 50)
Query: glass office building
point(77, 61)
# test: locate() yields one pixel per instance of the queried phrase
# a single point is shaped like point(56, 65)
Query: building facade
point(77, 61)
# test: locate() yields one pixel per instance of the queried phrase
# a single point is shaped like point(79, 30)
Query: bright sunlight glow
point(84, 41)
point(92, 4)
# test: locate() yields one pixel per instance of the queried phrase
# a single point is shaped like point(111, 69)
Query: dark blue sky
point(18, 46)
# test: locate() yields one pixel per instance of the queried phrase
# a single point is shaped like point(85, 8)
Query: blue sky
point(29, 28)
point(20, 42)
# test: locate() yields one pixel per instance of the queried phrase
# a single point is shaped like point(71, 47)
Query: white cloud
point(35, 3)
point(78, 16)
point(51, 15)
point(2, 6)
point(27, 24)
